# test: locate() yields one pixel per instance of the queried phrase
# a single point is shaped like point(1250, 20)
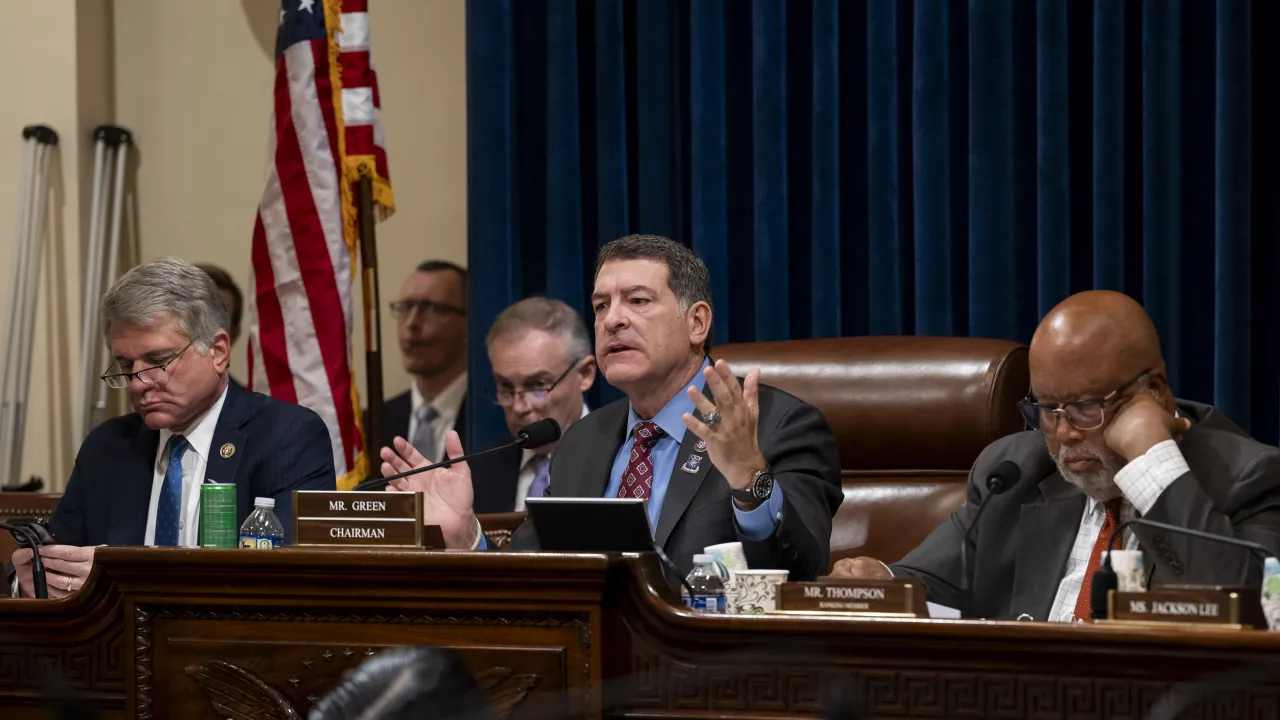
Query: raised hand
point(1140, 424)
point(447, 495)
point(733, 444)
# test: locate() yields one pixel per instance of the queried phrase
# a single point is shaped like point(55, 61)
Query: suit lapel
point(1046, 531)
point(228, 445)
point(596, 467)
point(683, 485)
point(131, 500)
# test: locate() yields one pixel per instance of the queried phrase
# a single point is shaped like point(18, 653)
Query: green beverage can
point(218, 516)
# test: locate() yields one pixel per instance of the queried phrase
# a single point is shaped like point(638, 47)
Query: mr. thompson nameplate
point(357, 519)
point(870, 597)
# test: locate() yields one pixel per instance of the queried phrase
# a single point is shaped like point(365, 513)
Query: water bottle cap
point(264, 502)
point(701, 559)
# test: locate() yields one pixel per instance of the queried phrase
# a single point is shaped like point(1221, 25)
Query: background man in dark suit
point(431, 320)
point(137, 478)
point(1112, 442)
point(718, 461)
point(542, 364)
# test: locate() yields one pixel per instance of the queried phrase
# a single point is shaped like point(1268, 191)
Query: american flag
point(326, 133)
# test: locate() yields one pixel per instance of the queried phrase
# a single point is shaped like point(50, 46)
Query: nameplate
point(898, 597)
point(1221, 607)
point(361, 520)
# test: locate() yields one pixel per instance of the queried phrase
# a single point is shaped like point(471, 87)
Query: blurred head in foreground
point(408, 682)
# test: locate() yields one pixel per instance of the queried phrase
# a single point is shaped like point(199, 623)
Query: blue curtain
point(851, 167)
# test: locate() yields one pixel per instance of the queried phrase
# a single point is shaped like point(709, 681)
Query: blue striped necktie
point(169, 510)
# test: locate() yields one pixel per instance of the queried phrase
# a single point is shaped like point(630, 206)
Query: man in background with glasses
point(137, 478)
point(431, 326)
point(542, 363)
point(1109, 442)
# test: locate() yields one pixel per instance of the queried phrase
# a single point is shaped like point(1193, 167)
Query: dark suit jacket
point(698, 510)
point(279, 448)
point(1025, 536)
point(495, 479)
point(395, 418)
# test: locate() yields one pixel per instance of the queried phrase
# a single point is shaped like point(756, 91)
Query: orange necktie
point(1083, 604)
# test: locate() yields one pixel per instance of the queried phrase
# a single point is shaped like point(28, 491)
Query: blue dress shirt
point(757, 524)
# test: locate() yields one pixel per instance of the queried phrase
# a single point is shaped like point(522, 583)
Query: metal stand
point(39, 142)
point(110, 156)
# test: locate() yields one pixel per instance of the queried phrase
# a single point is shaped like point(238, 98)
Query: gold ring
point(68, 583)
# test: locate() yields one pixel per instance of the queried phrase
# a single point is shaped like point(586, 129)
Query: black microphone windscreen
point(543, 432)
point(1104, 580)
point(1003, 476)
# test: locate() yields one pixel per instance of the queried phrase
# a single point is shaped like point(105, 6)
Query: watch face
point(763, 487)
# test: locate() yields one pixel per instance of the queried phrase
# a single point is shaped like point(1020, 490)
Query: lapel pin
point(700, 446)
point(227, 451)
point(691, 465)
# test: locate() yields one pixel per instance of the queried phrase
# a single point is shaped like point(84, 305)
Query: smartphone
point(39, 526)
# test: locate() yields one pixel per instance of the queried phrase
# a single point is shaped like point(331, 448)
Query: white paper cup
point(1270, 593)
point(1131, 570)
point(753, 592)
point(728, 554)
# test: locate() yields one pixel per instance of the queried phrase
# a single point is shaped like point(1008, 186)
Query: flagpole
point(372, 322)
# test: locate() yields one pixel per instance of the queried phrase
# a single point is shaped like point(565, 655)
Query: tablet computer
point(591, 524)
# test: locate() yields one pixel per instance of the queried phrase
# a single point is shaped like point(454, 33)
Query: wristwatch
point(758, 490)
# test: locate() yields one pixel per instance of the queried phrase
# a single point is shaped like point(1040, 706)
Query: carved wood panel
point(535, 664)
point(725, 688)
point(96, 666)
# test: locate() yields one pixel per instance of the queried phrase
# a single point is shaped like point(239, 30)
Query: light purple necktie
point(541, 475)
point(424, 433)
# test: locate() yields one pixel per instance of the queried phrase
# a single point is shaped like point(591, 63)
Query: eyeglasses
point(401, 309)
point(147, 375)
point(506, 396)
point(1082, 414)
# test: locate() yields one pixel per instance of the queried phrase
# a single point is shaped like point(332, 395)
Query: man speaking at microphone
point(718, 461)
point(1111, 443)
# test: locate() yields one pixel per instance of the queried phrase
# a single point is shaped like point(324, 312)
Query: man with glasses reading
point(1109, 442)
point(542, 363)
point(431, 327)
point(137, 478)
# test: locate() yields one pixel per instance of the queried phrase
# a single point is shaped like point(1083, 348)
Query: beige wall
point(64, 81)
point(192, 80)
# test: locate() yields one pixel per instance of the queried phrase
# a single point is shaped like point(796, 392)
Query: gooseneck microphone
point(1002, 477)
point(543, 432)
point(1104, 578)
point(39, 580)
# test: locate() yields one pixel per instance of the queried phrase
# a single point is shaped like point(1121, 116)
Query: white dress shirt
point(525, 479)
point(447, 406)
point(1141, 481)
point(195, 459)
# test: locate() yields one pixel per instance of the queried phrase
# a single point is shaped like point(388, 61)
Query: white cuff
point(1144, 479)
point(479, 535)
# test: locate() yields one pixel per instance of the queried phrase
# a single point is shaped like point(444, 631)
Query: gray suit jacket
point(1020, 547)
point(698, 510)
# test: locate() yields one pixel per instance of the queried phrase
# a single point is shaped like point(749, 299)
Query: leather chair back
point(910, 415)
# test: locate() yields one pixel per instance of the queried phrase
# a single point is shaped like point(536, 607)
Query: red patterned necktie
point(1084, 600)
point(637, 479)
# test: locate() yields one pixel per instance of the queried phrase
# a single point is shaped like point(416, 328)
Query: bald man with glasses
point(542, 363)
point(1109, 442)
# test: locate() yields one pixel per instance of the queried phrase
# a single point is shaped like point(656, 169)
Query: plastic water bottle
point(262, 529)
point(708, 589)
